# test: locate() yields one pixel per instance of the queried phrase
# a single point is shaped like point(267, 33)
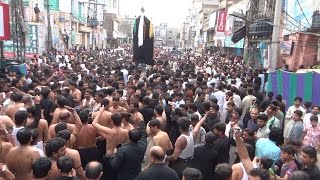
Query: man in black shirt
point(146, 111)
point(158, 170)
point(47, 105)
point(221, 145)
point(309, 158)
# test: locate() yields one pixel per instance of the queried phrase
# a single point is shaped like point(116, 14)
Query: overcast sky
point(170, 11)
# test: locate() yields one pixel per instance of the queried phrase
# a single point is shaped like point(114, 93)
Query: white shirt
point(306, 119)
point(220, 97)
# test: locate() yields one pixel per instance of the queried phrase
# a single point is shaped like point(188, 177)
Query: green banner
point(32, 40)
point(54, 5)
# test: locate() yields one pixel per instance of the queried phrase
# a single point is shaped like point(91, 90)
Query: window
point(115, 3)
point(108, 3)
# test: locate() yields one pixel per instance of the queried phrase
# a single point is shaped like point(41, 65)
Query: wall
point(304, 52)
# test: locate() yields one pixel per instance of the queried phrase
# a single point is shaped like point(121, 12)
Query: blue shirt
point(267, 148)
point(253, 125)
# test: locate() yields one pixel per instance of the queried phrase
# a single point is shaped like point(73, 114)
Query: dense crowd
point(98, 115)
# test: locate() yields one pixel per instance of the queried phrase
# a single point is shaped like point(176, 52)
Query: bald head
point(157, 153)
point(93, 170)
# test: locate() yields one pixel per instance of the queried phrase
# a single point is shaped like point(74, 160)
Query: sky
point(172, 12)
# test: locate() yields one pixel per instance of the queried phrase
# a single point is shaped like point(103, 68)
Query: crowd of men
point(96, 115)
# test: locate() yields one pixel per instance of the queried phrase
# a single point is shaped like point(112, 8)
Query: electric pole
point(273, 60)
point(49, 40)
point(19, 30)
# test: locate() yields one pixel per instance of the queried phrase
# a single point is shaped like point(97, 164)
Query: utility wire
point(303, 13)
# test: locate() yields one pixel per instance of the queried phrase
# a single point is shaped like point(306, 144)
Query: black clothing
point(212, 119)
point(147, 113)
point(144, 53)
point(180, 164)
point(222, 146)
point(313, 172)
point(66, 178)
point(158, 172)
point(264, 104)
point(127, 161)
point(87, 155)
point(205, 160)
point(108, 172)
point(200, 107)
point(153, 103)
point(47, 105)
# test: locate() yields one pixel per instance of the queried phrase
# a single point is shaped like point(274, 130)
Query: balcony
point(92, 22)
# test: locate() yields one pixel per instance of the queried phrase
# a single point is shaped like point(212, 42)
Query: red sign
point(221, 22)
point(4, 22)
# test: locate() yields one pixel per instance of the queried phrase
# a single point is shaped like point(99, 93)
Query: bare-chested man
point(65, 119)
point(19, 159)
point(115, 106)
point(86, 143)
point(18, 104)
point(62, 102)
point(138, 116)
point(4, 146)
point(74, 154)
point(126, 122)
point(158, 111)
point(114, 137)
point(34, 122)
point(55, 148)
point(159, 138)
point(76, 94)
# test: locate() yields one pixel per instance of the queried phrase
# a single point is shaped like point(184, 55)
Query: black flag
point(143, 53)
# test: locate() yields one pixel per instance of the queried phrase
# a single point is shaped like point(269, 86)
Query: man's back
point(158, 172)
point(205, 160)
point(20, 159)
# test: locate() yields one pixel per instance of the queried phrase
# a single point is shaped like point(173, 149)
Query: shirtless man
point(138, 116)
point(55, 148)
point(74, 154)
point(114, 137)
point(64, 118)
point(76, 94)
point(18, 104)
point(86, 143)
point(34, 122)
point(62, 102)
point(4, 146)
point(159, 137)
point(105, 117)
point(127, 117)
point(115, 106)
point(158, 111)
point(20, 159)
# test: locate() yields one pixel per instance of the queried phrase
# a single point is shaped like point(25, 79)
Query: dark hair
point(289, 149)
point(223, 171)
point(41, 167)
point(184, 124)
point(273, 107)
point(105, 102)
point(93, 170)
point(45, 91)
point(21, 117)
point(259, 172)
point(193, 107)
point(249, 131)
point(192, 174)
point(220, 127)
point(194, 117)
point(64, 134)
point(263, 117)
point(270, 95)
point(146, 100)
point(24, 136)
point(53, 146)
point(298, 99)
point(117, 119)
point(16, 97)
point(299, 175)
point(275, 134)
point(60, 126)
point(158, 109)
point(127, 116)
point(314, 118)
point(155, 122)
point(65, 164)
point(266, 162)
point(62, 101)
point(298, 112)
point(134, 135)
point(311, 152)
point(84, 116)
